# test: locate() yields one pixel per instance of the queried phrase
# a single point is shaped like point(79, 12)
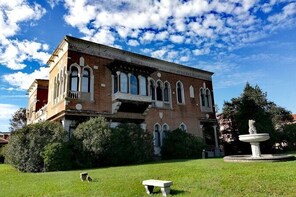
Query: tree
point(18, 120)
point(253, 104)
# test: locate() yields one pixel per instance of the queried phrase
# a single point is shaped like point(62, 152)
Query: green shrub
point(25, 148)
point(57, 156)
point(181, 145)
point(95, 144)
point(130, 144)
point(92, 142)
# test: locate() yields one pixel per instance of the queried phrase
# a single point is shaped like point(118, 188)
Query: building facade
point(88, 79)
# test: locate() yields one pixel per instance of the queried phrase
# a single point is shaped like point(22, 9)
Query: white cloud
point(232, 24)
point(288, 11)
point(53, 3)
point(123, 32)
point(159, 53)
point(203, 51)
point(177, 38)
point(162, 35)
point(133, 43)
point(103, 36)
point(15, 52)
point(184, 58)
point(24, 80)
point(7, 110)
point(14, 12)
point(147, 36)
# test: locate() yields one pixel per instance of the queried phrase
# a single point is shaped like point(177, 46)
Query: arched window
point(74, 82)
point(183, 127)
point(202, 97)
point(157, 138)
point(208, 98)
point(65, 81)
point(159, 91)
point(58, 85)
point(191, 91)
point(61, 83)
point(54, 88)
point(133, 85)
point(165, 127)
point(85, 81)
point(166, 92)
point(180, 92)
point(123, 83)
point(143, 86)
point(152, 89)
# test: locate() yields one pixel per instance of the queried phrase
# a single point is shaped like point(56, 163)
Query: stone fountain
point(254, 139)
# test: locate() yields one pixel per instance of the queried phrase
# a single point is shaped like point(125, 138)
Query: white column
point(217, 150)
point(66, 125)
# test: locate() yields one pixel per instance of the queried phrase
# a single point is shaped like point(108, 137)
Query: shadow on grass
point(172, 192)
point(176, 192)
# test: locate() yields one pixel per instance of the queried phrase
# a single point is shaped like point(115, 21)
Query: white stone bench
point(164, 186)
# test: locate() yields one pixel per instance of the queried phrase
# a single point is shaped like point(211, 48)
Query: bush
point(25, 148)
point(98, 145)
point(92, 142)
point(181, 145)
point(57, 156)
point(130, 144)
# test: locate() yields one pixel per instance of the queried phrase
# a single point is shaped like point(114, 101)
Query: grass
point(210, 177)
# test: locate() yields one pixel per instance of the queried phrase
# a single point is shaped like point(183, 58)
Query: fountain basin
point(258, 137)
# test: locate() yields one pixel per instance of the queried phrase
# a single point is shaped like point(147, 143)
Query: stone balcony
point(123, 102)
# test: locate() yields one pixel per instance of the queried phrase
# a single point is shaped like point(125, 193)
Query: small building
point(4, 137)
point(37, 103)
point(294, 118)
point(87, 79)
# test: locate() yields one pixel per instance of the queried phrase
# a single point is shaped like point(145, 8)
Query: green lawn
point(210, 177)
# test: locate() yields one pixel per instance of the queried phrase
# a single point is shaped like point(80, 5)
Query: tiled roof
point(294, 117)
point(3, 141)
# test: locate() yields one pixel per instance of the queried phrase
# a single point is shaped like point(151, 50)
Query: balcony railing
point(79, 95)
point(131, 97)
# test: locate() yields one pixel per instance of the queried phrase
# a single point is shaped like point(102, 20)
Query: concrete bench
point(164, 186)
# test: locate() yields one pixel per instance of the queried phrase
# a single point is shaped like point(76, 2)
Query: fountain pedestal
point(255, 146)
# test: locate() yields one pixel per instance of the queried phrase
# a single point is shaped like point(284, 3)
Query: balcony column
point(67, 89)
point(128, 83)
point(80, 81)
point(139, 84)
point(118, 81)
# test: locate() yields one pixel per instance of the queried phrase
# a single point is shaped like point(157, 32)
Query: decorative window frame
point(182, 93)
point(184, 126)
point(157, 137)
point(205, 94)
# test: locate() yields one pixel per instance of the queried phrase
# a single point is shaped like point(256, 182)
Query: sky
point(239, 40)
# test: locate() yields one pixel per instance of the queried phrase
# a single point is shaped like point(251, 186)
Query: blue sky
point(239, 40)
